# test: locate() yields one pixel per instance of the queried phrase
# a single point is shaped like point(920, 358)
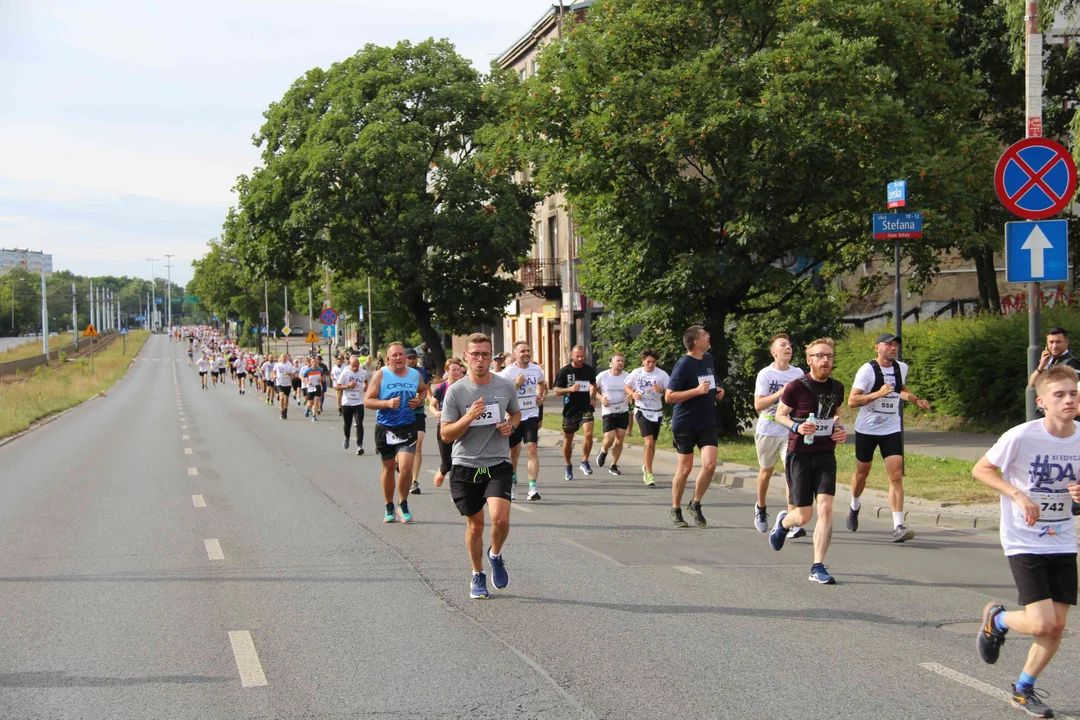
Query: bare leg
point(474, 540)
point(650, 452)
point(500, 522)
point(405, 475)
point(705, 475)
point(823, 529)
point(586, 445)
point(616, 451)
point(567, 446)
point(678, 483)
point(894, 465)
point(858, 480)
point(387, 478)
point(534, 461)
point(419, 457)
point(763, 476)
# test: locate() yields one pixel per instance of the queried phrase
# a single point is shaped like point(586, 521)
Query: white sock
point(855, 504)
point(898, 519)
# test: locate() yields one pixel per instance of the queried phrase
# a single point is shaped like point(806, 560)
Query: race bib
point(620, 407)
point(527, 402)
point(1053, 506)
point(823, 427)
point(888, 405)
point(354, 394)
point(490, 416)
point(582, 386)
point(392, 439)
point(709, 379)
point(650, 415)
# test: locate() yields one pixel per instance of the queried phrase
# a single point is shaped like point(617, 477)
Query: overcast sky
point(123, 123)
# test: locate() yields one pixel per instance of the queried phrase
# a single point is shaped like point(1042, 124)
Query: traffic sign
point(1035, 178)
point(90, 331)
point(329, 316)
point(897, 193)
point(360, 317)
point(285, 331)
point(123, 331)
point(896, 226)
point(140, 318)
point(312, 337)
point(329, 331)
point(1037, 251)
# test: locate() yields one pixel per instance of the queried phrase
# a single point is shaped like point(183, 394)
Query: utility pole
point(168, 292)
point(44, 318)
point(91, 302)
point(266, 311)
point(1033, 113)
point(310, 316)
point(74, 318)
point(153, 296)
point(148, 313)
point(370, 322)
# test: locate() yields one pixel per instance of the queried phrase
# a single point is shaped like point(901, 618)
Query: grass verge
point(47, 391)
point(930, 478)
point(30, 348)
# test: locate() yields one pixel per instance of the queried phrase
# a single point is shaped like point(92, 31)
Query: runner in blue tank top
point(395, 392)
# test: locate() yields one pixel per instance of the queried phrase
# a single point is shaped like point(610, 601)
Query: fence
point(71, 349)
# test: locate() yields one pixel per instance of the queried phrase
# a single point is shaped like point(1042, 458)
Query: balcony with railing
point(542, 278)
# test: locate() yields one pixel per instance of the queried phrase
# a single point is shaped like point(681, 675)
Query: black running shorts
point(1044, 577)
point(527, 432)
point(471, 487)
point(865, 445)
point(810, 474)
point(647, 427)
point(420, 424)
point(388, 451)
point(685, 442)
point(284, 389)
point(616, 421)
point(573, 419)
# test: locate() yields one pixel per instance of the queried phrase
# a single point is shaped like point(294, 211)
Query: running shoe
point(586, 467)
point(281, 415)
point(852, 523)
point(388, 513)
point(499, 577)
point(647, 477)
point(761, 519)
point(478, 591)
point(359, 451)
point(820, 574)
point(601, 458)
point(403, 513)
point(778, 534)
point(569, 474)
point(346, 445)
point(415, 489)
point(314, 418)
point(695, 507)
point(614, 469)
point(990, 638)
point(902, 533)
point(677, 518)
point(307, 413)
point(796, 532)
point(1031, 701)
point(534, 494)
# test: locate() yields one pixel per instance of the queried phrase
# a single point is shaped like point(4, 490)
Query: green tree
point(372, 167)
point(226, 288)
point(703, 142)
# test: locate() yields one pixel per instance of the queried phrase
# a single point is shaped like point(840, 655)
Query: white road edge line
point(213, 549)
point(687, 569)
point(198, 501)
point(185, 437)
point(189, 451)
point(984, 688)
point(247, 659)
point(192, 471)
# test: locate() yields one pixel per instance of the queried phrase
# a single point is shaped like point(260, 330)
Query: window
point(524, 73)
point(535, 67)
point(553, 237)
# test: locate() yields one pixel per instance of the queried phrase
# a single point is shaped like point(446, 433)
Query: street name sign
point(897, 193)
point(896, 226)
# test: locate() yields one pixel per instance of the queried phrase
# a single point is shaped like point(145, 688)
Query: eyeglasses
point(478, 355)
point(823, 356)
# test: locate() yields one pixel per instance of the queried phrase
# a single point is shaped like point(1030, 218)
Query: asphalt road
point(113, 607)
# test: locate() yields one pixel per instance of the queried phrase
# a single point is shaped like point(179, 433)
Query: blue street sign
point(897, 193)
point(1037, 251)
point(360, 317)
point(893, 226)
point(157, 301)
point(329, 331)
point(140, 318)
point(123, 331)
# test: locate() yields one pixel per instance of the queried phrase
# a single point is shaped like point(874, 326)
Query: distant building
point(31, 260)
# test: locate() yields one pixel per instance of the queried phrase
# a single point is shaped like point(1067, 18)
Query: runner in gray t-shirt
point(479, 413)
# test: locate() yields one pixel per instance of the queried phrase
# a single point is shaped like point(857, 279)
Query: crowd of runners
point(485, 408)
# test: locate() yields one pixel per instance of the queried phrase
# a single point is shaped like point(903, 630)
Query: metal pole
point(370, 322)
point(44, 318)
point(310, 315)
point(74, 318)
point(266, 318)
point(1034, 89)
point(91, 302)
point(168, 293)
point(153, 296)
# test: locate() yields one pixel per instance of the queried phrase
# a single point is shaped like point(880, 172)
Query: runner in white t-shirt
point(240, 367)
point(284, 372)
point(646, 386)
point(528, 378)
point(267, 369)
point(340, 365)
point(770, 438)
point(614, 411)
point(351, 384)
point(1034, 466)
point(204, 367)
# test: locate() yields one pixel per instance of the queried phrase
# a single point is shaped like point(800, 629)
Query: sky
point(124, 124)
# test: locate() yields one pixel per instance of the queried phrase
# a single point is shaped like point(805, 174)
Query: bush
point(973, 367)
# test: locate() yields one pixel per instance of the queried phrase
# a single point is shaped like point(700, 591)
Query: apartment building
point(32, 260)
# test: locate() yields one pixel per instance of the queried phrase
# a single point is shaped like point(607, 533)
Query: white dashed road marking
point(185, 437)
point(247, 659)
point(188, 451)
point(688, 570)
point(197, 501)
point(192, 471)
point(213, 549)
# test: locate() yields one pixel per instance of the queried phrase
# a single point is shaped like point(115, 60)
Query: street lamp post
point(168, 292)
point(153, 295)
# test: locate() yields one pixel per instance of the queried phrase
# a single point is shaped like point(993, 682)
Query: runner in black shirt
point(576, 384)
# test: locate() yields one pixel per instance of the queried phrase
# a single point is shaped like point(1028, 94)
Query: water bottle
point(809, 439)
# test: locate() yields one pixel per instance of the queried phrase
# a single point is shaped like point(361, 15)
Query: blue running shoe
point(569, 474)
point(778, 534)
point(820, 574)
point(403, 512)
point(586, 467)
point(479, 587)
point(388, 514)
point(499, 576)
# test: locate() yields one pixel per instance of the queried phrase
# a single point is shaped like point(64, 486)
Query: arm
point(371, 398)
point(783, 417)
point(421, 395)
point(990, 476)
point(908, 396)
point(858, 398)
point(541, 392)
point(452, 431)
point(678, 396)
point(764, 402)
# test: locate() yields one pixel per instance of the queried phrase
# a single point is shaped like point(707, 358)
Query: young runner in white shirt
point(614, 411)
point(646, 386)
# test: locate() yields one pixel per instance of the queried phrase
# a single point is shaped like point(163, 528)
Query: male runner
point(284, 374)
point(204, 367)
point(216, 362)
point(498, 363)
point(395, 391)
point(528, 378)
point(614, 411)
point(874, 392)
point(811, 452)
point(351, 385)
point(339, 367)
point(479, 413)
point(646, 386)
point(413, 360)
point(771, 439)
point(694, 393)
point(240, 366)
point(314, 377)
point(576, 385)
point(268, 379)
point(1034, 466)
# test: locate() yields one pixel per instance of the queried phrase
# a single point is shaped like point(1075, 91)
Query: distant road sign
point(1037, 251)
point(897, 193)
point(1035, 178)
point(894, 226)
point(329, 331)
point(285, 331)
point(360, 317)
point(123, 331)
point(328, 316)
point(312, 337)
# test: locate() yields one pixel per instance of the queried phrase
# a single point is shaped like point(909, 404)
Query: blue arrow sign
point(329, 331)
point(1037, 251)
point(891, 226)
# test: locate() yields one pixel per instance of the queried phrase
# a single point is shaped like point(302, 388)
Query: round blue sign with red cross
point(1035, 178)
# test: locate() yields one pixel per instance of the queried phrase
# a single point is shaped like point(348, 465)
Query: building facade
point(30, 260)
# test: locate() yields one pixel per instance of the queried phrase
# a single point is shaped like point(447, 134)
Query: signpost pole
point(1033, 75)
point(370, 326)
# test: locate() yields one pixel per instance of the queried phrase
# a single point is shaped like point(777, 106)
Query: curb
point(739, 477)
